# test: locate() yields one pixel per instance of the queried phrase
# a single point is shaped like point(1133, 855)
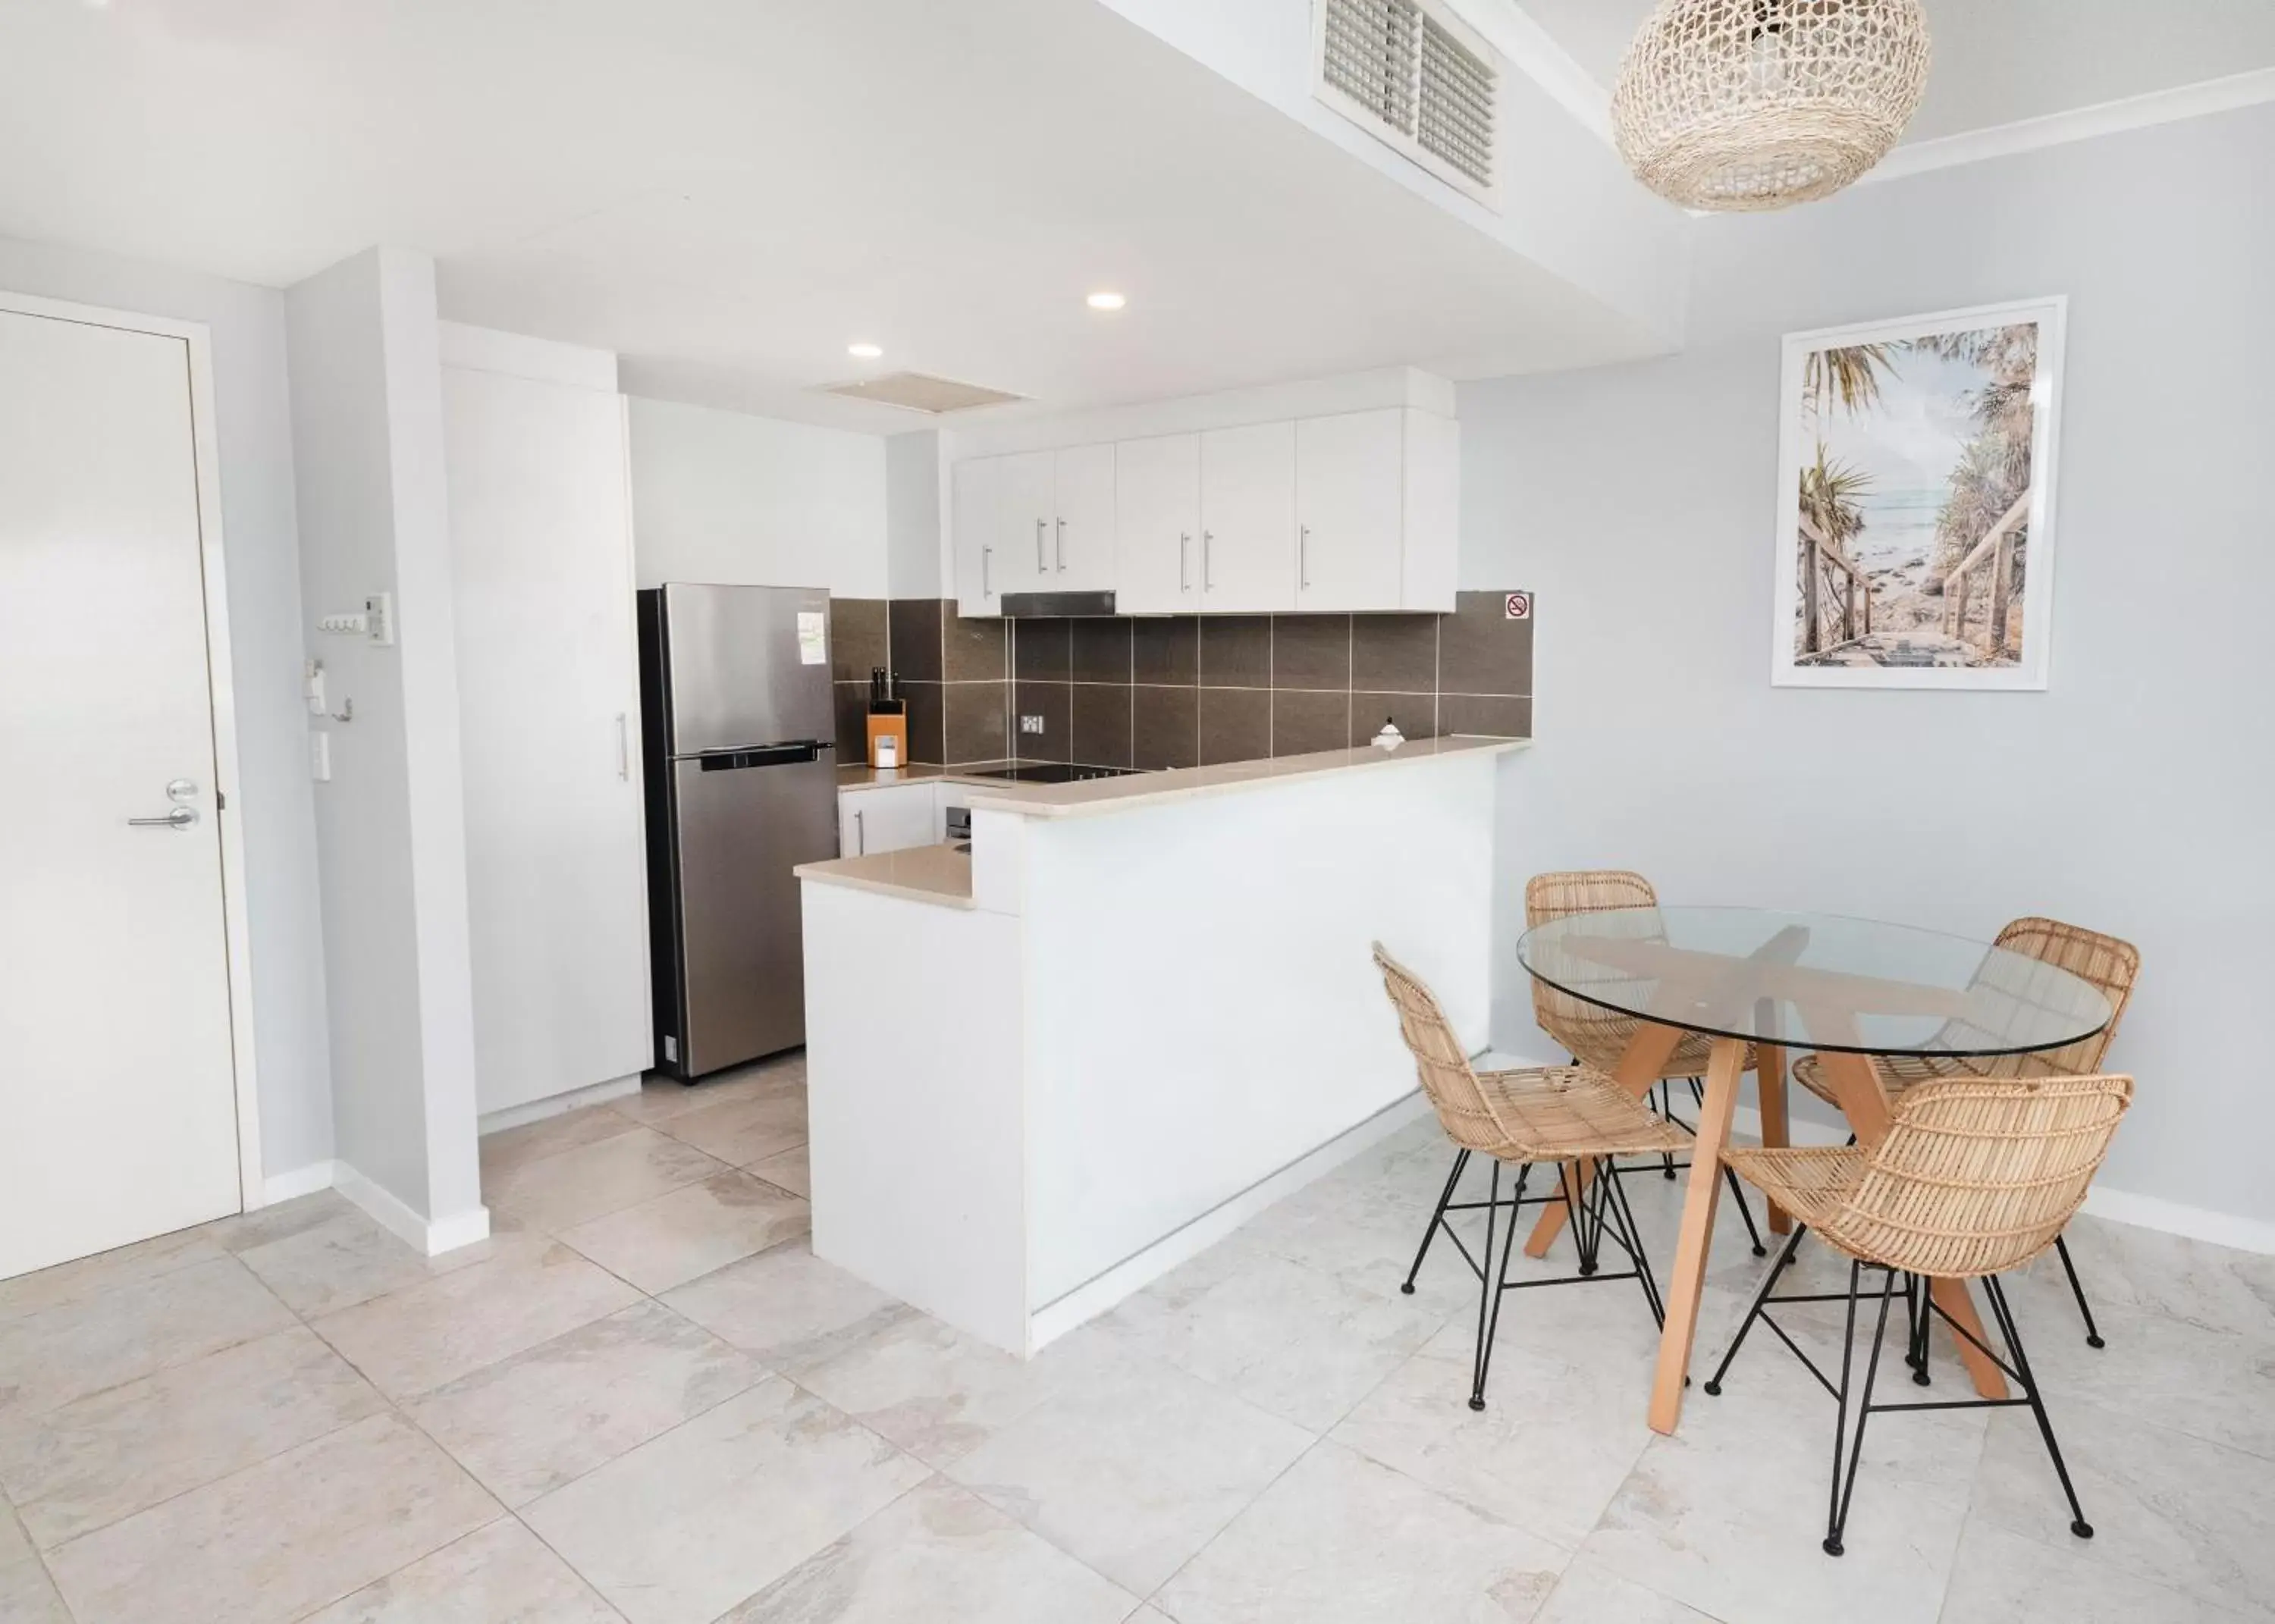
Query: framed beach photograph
point(1915, 501)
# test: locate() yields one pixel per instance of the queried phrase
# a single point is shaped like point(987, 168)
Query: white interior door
point(1248, 518)
point(1156, 497)
point(549, 694)
point(1351, 509)
point(118, 1097)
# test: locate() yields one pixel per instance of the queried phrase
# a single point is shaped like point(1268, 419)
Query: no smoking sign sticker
point(1517, 606)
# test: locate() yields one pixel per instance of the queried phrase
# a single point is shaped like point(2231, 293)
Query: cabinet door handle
point(987, 557)
point(860, 833)
point(1041, 564)
point(1062, 544)
point(624, 747)
point(1184, 546)
point(1208, 560)
point(1303, 555)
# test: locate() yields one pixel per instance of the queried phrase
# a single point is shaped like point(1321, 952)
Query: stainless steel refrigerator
point(742, 787)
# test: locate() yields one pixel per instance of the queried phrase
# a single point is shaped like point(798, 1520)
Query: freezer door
point(750, 665)
point(740, 831)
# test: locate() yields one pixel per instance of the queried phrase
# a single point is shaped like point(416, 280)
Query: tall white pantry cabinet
point(550, 715)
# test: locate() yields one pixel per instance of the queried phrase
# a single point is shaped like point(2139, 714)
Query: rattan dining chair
point(1558, 1115)
point(2105, 962)
point(1977, 1176)
point(1595, 1036)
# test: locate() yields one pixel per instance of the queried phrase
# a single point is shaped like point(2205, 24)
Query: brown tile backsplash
point(1099, 731)
point(1235, 725)
point(1235, 650)
point(1314, 652)
point(1180, 690)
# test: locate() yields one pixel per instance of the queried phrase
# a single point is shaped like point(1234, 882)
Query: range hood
point(1063, 605)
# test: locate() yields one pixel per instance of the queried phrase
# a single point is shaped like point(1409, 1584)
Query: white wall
point(914, 536)
point(724, 497)
point(367, 431)
point(261, 553)
point(2133, 798)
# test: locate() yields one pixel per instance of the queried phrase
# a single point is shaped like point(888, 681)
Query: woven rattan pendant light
point(1755, 104)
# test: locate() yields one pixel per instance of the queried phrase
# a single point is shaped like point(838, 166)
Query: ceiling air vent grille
point(921, 392)
point(1411, 75)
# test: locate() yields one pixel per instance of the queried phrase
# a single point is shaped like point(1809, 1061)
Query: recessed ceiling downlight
point(865, 352)
point(1105, 301)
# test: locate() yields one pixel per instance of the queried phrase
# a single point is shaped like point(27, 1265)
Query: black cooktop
point(1054, 773)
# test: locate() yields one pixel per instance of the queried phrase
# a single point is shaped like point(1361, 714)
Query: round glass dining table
point(1760, 982)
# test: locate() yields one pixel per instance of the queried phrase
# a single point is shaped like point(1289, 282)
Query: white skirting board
point(1101, 1293)
point(300, 1182)
point(433, 1237)
point(556, 1104)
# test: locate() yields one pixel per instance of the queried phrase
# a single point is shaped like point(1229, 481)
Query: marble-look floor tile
point(787, 1171)
point(344, 1257)
point(750, 1127)
point(268, 1543)
point(15, 1544)
point(661, 1098)
point(1563, 1422)
point(936, 1392)
point(540, 1420)
point(2165, 1508)
point(89, 1343)
point(1728, 1515)
point(1339, 1539)
point(940, 1555)
point(276, 1221)
point(28, 1596)
point(549, 1136)
point(1590, 1593)
point(89, 1277)
point(102, 1457)
point(786, 1306)
point(1366, 1235)
point(695, 1229)
point(690, 1523)
point(500, 1575)
point(2004, 1578)
point(1304, 1345)
point(2124, 1266)
point(414, 1341)
point(1134, 1471)
point(558, 1192)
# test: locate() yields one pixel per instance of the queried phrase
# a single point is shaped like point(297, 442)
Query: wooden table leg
point(1770, 1076)
point(1638, 1068)
point(1687, 1280)
point(1865, 1103)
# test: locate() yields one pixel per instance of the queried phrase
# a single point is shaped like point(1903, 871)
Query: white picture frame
point(1872, 405)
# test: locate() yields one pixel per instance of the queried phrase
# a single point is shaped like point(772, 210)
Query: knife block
point(895, 726)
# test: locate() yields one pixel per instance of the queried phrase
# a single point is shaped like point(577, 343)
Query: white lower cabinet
point(888, 818)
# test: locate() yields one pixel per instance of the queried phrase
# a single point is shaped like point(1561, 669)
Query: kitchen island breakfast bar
point(1139, 1012)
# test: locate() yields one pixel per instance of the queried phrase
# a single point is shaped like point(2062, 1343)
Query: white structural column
point(368, 461)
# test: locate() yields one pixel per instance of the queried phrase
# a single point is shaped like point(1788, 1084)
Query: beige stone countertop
point(1092, 796)
point(916, 772)
point(940, 875)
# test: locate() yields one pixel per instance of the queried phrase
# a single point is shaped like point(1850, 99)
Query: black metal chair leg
point(1842, 1497)
point(1738, 1192)
point(1915, 1309)
point(2005, 1315)
point(1769, 1283)
point(1495, 1287)
point(1840, 1416)
point(1631, 1234)
point(2077, 1290)
point(1667, 1110)
point(1444, 1198)
point(1488, 1299)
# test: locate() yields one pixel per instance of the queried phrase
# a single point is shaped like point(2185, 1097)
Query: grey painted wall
point(367, 432)
point(260, 551)
point(2133, 797)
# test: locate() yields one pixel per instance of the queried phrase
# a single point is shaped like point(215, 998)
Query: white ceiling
point(2000, 60)
point(728, 192)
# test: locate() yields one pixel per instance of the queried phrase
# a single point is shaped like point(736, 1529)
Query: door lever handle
point(180, 818)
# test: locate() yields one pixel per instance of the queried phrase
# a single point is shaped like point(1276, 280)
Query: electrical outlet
point(1031, 724)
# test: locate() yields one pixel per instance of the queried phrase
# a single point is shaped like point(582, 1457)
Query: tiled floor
point(643, 1400)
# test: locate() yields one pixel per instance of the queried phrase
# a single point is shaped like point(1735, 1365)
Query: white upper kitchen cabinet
point(1157, 499)
point(549, 710)
point(1025, 510)
point(976, 503)
point(1248, 519)
point(1351, 510)
point(1083, 520)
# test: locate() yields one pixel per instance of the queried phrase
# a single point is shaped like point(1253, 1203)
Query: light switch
point(320, 756)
